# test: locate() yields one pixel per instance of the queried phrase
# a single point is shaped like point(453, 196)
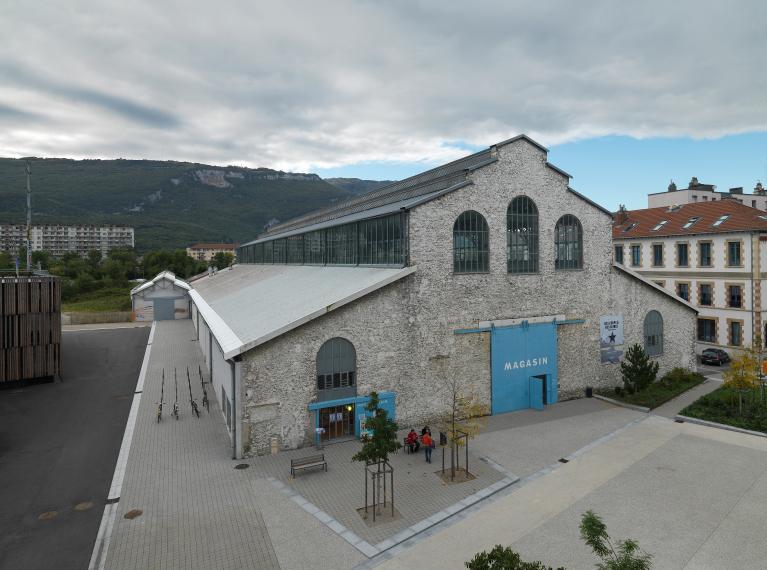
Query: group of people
point(414, 442)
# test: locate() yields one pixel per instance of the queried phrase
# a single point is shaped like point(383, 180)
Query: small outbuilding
point(164, 298)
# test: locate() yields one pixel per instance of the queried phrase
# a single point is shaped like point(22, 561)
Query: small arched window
point(522, 235)
point(337, 367)
point(471, 243)
point(568, 243)
point(653, 333)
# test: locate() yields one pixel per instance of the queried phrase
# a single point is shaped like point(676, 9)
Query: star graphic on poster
point(612, 337)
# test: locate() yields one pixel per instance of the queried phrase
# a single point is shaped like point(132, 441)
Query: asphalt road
point(58, 448)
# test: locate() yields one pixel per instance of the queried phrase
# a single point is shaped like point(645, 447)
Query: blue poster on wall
point(519, 354)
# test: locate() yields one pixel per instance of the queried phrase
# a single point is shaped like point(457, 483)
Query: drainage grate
point(679, 421)
point(563, 460)
point(241, 466)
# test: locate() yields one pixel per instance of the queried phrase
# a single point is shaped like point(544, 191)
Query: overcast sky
point(377, 88)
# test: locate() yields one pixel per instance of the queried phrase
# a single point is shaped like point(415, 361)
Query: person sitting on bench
point(412, 441)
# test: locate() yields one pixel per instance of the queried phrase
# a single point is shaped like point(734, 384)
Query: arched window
point(471, 243)
point(653, 333)
point(568, 242)
point(336, 369)
point(522, 235)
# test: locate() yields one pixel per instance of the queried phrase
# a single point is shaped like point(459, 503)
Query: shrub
point(637, 370)
point(503, 558)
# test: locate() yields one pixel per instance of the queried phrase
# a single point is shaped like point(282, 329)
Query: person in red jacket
point(412, 441)
point(428, 445)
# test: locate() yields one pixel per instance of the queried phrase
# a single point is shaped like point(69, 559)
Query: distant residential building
point(708, 253)
point(699, 192)
point(206, 251)
point(58, 240)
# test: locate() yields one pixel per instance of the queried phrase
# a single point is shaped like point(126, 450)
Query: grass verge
point(721, 406)
point(661, 391)
point(103, 300)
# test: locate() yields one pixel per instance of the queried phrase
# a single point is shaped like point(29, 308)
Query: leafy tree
point(503, 558)
point(176, 261)
point(626, 555)
point(382, 440)
point(222, 260)
point(6, 262)
point(743, 374)
point(637, 370)
point(43, 258)
point(94, 259)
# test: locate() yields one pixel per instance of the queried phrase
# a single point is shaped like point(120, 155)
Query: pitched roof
point(428, 185)
point(248, 305)
point(654, 285)
point(670, 221)
point(163, 275)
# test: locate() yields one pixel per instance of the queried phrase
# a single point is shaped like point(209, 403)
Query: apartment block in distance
point(206, 251)
point(58, 240)
point(709, 253)
point(699, 192)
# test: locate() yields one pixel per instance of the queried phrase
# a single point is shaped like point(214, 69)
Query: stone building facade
point(434, 324)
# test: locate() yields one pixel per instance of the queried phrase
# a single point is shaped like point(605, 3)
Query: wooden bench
point(308, 462)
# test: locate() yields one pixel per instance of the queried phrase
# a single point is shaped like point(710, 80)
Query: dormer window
point(690, 223)
point(629, 227)
point(660, 225)
point(721, 220)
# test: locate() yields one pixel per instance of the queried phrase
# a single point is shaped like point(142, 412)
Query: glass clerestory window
point(568, 243)
point(471, 243)
point(377, 241)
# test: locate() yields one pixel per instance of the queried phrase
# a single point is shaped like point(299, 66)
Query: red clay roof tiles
point(640, 223)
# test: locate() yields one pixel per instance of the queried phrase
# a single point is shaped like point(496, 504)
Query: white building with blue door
point(490, 269)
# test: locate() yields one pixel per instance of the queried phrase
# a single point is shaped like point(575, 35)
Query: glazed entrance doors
point(337, 421)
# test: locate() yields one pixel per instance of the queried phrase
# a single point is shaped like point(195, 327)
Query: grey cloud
point(304, 84)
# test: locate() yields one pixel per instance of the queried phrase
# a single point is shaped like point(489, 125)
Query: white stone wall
point(404, 334)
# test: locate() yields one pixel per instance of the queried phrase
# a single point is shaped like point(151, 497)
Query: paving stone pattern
point(198, 511)
point(420, 494)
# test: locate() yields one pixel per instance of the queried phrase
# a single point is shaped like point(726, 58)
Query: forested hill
point(171, 204)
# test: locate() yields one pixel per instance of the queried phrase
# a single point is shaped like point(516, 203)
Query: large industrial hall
point(489, 271)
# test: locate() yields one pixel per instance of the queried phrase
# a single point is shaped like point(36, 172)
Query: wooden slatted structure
point(30, 327)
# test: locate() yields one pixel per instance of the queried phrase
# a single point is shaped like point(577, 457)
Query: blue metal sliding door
point(524, 364)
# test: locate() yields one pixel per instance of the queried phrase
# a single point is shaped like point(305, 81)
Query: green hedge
point(671, 385)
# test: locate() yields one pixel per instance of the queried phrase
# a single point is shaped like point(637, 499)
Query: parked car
point(714, 356)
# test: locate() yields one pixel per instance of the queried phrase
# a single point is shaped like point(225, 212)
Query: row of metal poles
point(176, 412)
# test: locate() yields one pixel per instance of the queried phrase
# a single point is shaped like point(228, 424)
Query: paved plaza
point(197, 511)
point(690, 494)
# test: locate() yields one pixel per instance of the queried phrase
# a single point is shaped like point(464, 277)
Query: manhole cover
point(84, 506)
point(241, 466)
point(133, 513)
point(48, 515)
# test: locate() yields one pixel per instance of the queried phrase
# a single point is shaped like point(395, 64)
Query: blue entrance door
point(536, 392)
point(518, 354)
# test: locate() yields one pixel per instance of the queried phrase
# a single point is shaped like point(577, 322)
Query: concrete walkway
point(692, 496)
point(671, 408)
point(197, 510)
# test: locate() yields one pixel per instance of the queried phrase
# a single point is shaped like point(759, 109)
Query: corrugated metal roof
point(395, 195)
point(364, 215)
point(428, 182)
point(169, 275)
point(249, 305)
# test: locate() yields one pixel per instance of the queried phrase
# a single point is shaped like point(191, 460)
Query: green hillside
point(171, 204)
point(356, 185)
